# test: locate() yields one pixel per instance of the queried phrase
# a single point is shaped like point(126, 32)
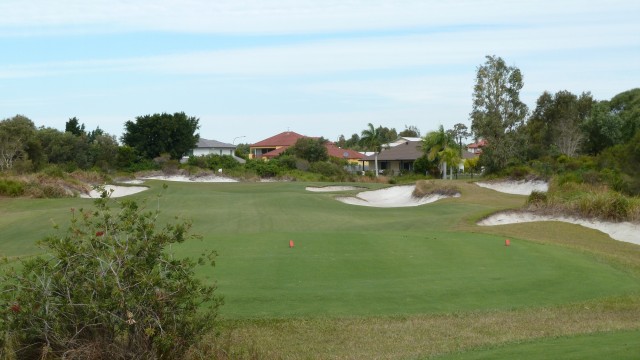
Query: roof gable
point(286, 138)
point(410, 150)
point(205, 144)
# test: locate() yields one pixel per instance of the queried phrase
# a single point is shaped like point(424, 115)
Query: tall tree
point(555, 124)
point(15, 136)
point(410, 131)
point(153, 135)
point(497, 112)
point(372, 140)
point(73, 126)
point(459, 132)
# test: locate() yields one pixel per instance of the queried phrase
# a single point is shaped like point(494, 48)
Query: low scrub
point(585, 200)
point(431, 187)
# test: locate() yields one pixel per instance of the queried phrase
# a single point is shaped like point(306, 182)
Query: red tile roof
point(286, 138)
point(335, 151)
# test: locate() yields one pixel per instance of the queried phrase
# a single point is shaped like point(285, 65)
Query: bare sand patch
point(396, 196)
point(184, 178)
point(115, 191)
point(623, 231)
point(331, 188)
point(523, 187)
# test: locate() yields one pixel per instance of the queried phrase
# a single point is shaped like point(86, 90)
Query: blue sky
point(250, 69)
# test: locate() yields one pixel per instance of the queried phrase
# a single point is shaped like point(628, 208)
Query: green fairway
point(371, 264)
point(623, 345)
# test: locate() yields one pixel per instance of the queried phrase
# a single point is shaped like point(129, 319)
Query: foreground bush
point(106, 289)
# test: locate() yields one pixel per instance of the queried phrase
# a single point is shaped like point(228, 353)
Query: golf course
point(306, 276)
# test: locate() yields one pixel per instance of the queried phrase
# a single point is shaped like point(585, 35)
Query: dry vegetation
point(413, 336)
point(587, 201)
point(431, 187)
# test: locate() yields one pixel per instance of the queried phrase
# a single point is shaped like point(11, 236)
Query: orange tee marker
point(507, 242)
point(290, 243)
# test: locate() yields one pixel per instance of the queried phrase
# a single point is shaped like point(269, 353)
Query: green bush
point(11, 188)
point(107, 288)
point(537, 198)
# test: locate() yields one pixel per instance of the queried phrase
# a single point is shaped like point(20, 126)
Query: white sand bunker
point(183, 178)
point(331, 188)
point(396, 196)
point(115, 191)
point(624, 231)
point(522, 187)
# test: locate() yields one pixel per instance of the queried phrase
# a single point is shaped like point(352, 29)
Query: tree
point(497, 112)
point(627, 106)
point(372, 140)
point(153, 135)
point(555, 124)
point(108, 287)
point(74, 127)
point(410, 131)
point(459, 132)
point(603, 128)
point(15, 136)
point(310, 149)
point(437, 147)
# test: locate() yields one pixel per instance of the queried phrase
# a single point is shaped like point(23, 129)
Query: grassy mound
point(431, 187)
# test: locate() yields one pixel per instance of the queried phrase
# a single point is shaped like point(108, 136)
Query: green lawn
point(622, 345)
point(350, 261)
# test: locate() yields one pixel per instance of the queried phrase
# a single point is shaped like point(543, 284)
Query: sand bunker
point(516, 187)
point(118, 191)
point(623, 231)
point(396, 196)
point(331, 188)
point(183, 178)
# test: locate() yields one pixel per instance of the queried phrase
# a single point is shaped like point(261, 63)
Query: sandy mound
point(396, 196)
point(183, 178)
point(331, 188)
point(522, 187)
point(118, 191)
point(623, 231)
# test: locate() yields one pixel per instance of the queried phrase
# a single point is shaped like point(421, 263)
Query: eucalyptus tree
point(498, 114)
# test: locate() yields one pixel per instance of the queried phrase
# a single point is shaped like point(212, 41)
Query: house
point(206, 147)
point(476, 147)
point(397, 159)
point(401, 140)
point(265, 147)
point(212, 147)
point(274, 146)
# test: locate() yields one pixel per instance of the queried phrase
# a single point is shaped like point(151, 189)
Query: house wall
point(210, 151)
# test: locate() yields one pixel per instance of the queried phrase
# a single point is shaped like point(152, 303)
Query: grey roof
point(410, 150)
point(204, 143)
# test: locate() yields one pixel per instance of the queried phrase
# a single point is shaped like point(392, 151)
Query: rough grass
point(423, 336)
point(431, 187)
point(587, 201)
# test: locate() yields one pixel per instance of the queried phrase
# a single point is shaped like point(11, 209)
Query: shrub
point(11, 188)
point(537, 198)
point(107, 288)
point(431, 187)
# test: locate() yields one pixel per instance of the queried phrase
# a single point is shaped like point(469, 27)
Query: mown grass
point(378, 283)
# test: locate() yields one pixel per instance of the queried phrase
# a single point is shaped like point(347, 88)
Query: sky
point(249, 69)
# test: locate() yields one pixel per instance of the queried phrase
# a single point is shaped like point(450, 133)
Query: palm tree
point(437, 145)
point(372, 140)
